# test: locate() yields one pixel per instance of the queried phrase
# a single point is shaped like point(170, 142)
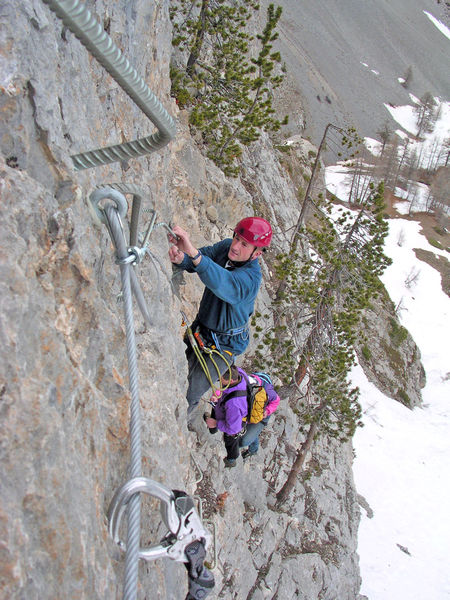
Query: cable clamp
point(131, 258)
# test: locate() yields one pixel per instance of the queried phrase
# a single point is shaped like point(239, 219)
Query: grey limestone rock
point(64, 427)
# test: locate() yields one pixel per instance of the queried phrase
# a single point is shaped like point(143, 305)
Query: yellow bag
point(257, 403)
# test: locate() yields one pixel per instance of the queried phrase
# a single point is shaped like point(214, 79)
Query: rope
point(209, 351)
point(204, 366)
point(134, 505)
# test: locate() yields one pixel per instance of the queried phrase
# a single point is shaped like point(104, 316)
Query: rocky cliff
point(64, 377)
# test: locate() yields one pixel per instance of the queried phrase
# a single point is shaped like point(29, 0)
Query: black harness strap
point(236, 394)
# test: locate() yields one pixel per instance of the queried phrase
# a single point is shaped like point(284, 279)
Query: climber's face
point(241, 250)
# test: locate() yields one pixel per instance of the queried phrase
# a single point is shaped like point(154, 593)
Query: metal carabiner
point(189, 332)
point(191, 529)
point(177, 512)
point(153, 225)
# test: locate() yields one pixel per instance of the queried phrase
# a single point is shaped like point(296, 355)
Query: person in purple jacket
point(231, 274)
point(231, 409)
point(228, 413)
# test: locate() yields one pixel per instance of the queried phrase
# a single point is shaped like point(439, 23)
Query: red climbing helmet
point(255, 230)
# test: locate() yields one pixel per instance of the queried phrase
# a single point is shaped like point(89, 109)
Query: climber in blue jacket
point(232, 277)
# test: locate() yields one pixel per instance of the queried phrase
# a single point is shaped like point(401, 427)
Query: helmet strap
point(238, 263)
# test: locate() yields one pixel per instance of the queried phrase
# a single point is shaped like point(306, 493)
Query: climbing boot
point(229, 463)
point(246, 454)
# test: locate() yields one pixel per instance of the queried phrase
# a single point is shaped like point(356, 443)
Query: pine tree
point(228, 91)
point(318, 315)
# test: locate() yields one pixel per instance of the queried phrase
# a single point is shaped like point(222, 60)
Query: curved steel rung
point(77, 17)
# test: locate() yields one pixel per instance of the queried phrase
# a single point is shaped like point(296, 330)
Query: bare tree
point(407, 78)
point(389, 163)
point(439, 189)
point(385, 134)
point(412, 277)
point(434, 156)
point(400, 306)
point(402, 160)
point(413, 196)
point(427, 112)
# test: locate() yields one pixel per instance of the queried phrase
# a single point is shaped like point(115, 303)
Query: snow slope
point(344, 59)
point(403, 456)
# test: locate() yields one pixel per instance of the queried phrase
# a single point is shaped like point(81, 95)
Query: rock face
point(393, 363)
point(64, 427)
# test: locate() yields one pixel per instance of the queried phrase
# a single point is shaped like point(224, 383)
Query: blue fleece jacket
point(229, 298)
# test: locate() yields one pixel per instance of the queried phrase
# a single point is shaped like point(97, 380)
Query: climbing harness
point(91, 34)
point(200, 348)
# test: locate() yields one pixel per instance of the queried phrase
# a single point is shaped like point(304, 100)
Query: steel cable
point(134, 505)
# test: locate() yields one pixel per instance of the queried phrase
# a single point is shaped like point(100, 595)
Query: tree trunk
point(301, 371)
point(297, 466)
point(197, 46)
point(301, 218)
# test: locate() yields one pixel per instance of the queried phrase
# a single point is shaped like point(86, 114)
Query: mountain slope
point(344, 59)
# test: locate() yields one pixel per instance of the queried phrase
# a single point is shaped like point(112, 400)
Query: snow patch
point(405, 116)
point(338, 180)
point(442, 28)
point(374, 146)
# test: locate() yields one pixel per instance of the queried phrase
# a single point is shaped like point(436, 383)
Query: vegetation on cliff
point(225, 86)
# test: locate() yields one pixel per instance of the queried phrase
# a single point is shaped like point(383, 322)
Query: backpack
point(256, 397)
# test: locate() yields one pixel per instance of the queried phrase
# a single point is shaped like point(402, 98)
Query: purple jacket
point(229, 413)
